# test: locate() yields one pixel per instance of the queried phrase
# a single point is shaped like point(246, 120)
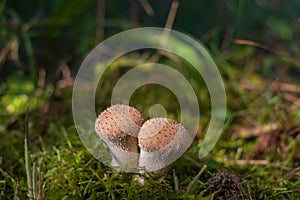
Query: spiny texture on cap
point(161, 142)
point(157, 133)
point(119, 124)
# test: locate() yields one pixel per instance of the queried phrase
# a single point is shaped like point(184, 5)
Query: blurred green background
point(44, 42)
point(255, 44)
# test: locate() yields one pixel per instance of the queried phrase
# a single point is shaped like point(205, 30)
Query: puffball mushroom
point(118, 126)
point(161, 142)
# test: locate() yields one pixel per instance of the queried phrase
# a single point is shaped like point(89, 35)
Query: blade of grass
point(2, 5)
point(176, 181)
point(27, 159)
point(27, 42)
point(29, 51)
point(33, 181)
point(195, 179)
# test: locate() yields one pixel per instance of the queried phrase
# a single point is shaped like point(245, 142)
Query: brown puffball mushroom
point(161, 142)
point(118, 126)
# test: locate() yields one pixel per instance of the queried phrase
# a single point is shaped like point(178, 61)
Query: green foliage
point(42, 36)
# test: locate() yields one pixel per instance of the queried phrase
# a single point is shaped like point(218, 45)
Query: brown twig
point(4, 52)
point(168, 27)
point(134, 13)
point(100, 21)
point(40, 187)
point(16, 194)
point(227, 36)
point(10, 121)
point(252, 162)
point(293, 142)
point(273, 50)
point(42, 78)
point(171, 18)
point(193, 161)
point(172, 14)
point(293, 171)
point(67, 76)
point(287, 87)
point(147, 7)
point(291, 98)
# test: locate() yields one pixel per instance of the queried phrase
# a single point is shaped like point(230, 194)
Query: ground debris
point(228, 185)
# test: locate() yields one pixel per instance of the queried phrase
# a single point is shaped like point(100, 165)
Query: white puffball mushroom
point(118, 126)
point(161, 142)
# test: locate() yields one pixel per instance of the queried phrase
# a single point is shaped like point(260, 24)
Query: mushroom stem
point(161, 142)
point(118, 126)
point(125, 155)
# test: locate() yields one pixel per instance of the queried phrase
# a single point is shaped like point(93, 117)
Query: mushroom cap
point(157, 133)
point(161, 142)
point(118, 122)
